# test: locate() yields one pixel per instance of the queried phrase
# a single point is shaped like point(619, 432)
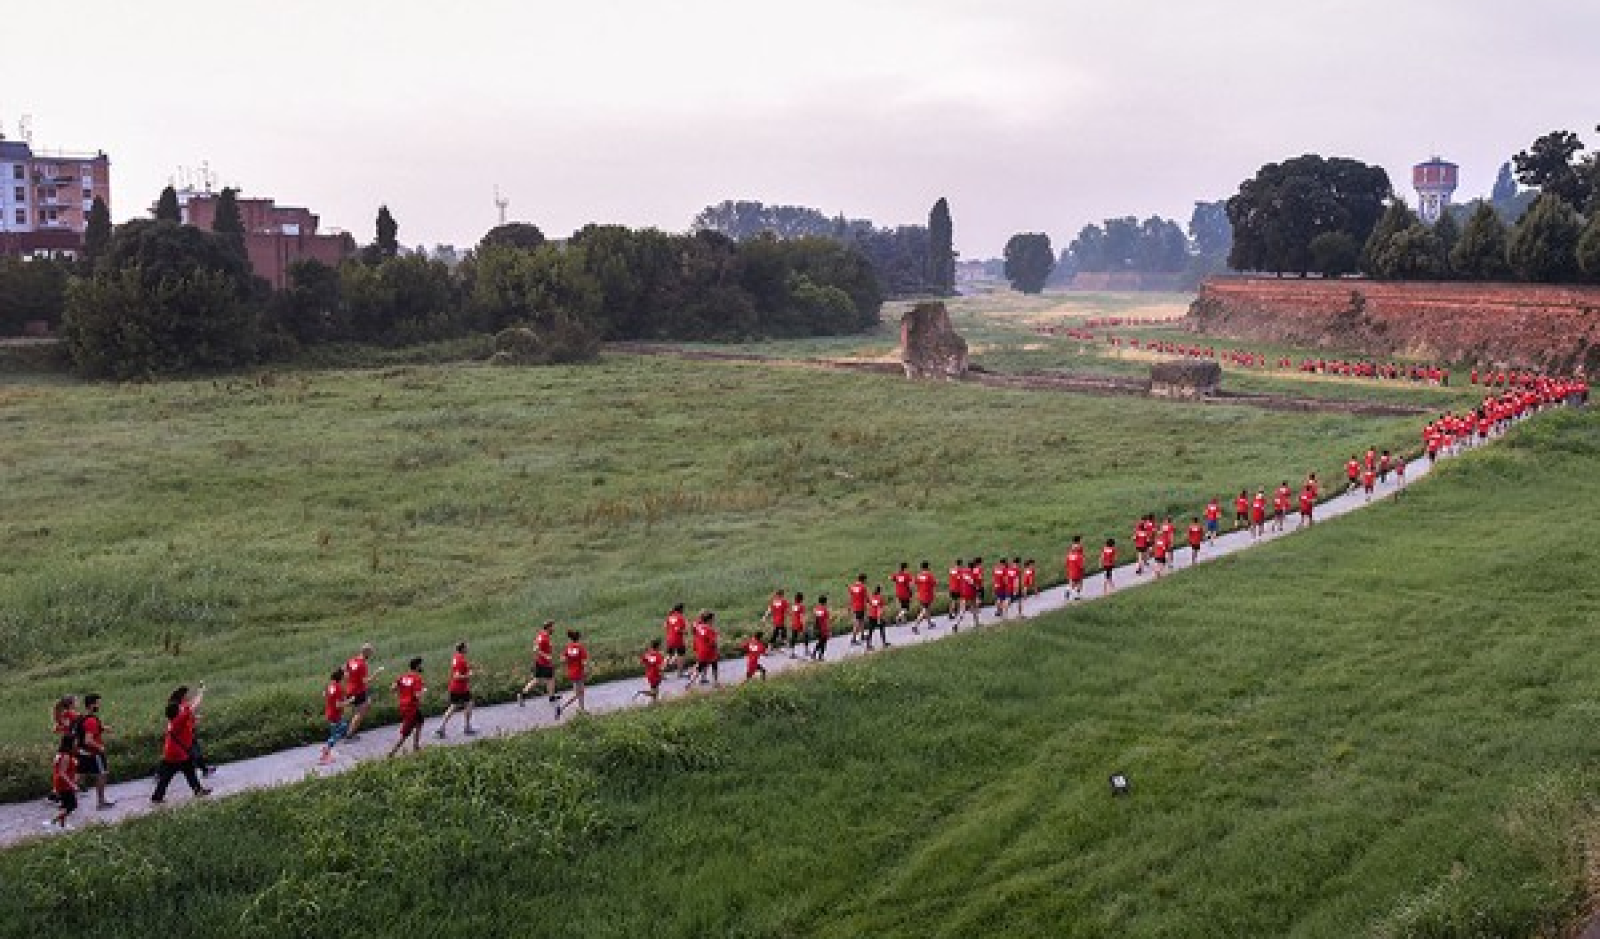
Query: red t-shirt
point(969, 583)
point(1108, 557)
point(1028, 577)
point(677, 625)
point(355, 675)
point(1213, 511)
point(821, 615)
point(64, 722)
point(460, 674)
point(1307, 502)
point(778, 609)
point(653, 660)
point(902, 585)
point(408, 691)
point(875, 606)
point(93, 734)
point(1241, 506)
point(576, 657)
point(858, 597)
point(333, 702)
point(1075, 563)
point(754, 649)
point(977, 575)
point(543, 649)
point(179, 740)
point(797, 618)
point(1258, 508)
point(957, 574)
point(1351, 468)
point(925, 582)
point(705, 642)
point(64, 773)
point(1196, 535)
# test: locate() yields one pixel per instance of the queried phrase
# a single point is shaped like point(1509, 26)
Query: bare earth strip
point(23, 821)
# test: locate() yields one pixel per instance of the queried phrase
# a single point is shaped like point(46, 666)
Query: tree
point(1334, 254)
point(1397, 218)
point(227, 220)
point(1029, 260)
point(167, 209)
point(1589, 248)
point(1544, 246)
point(1549, 166)
point(1278, 212)
point(30, 290)
point(521, 235)
point(96, 232)
point(1413, 253)
point(1480, 252)
point(941, 249)
point(1448, 232)
point(1211, 231)
point(387, 242)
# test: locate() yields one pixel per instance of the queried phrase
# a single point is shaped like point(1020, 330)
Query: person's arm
point(199, 696)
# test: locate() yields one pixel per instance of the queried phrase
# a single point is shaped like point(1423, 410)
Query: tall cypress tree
point(388, 243)
point(96, 231)
point(167, 209)
point(228, 223)
point(1480, 252)
point(941, 249)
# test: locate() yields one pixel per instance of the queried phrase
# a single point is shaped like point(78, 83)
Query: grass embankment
point(252, 532)
point(1379, 728)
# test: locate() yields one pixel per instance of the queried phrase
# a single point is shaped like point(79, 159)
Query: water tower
point(1435, 183)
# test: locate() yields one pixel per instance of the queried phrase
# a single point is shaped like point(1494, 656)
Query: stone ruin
point(517, 345)
point(1185, 378)
point(929, 346)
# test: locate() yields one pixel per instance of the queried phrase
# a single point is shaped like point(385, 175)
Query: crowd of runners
point(791, 624)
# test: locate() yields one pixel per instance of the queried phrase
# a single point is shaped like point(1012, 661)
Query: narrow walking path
point(25, 820)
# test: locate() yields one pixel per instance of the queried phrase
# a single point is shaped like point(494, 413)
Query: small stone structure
point(929, 346)
point(1185, 378)
point(517, 345)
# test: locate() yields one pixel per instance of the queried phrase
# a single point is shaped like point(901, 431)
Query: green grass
point(1380, 728)
point(253, 531)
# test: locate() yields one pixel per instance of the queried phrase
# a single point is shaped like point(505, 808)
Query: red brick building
point(275, 236)
point(45, 198)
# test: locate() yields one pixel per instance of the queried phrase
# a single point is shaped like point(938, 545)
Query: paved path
point(24, 820)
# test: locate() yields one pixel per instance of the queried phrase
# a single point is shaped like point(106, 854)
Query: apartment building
point(45, 197)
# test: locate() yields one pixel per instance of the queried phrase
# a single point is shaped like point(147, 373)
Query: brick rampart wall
point(1515, 325)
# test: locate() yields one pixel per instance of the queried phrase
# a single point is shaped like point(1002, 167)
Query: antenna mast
point(500, 202)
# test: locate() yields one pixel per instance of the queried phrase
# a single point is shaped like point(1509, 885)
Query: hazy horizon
point(1027, 115)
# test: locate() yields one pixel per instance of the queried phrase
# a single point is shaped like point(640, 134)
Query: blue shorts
point(336, 731)
point(1211, 524)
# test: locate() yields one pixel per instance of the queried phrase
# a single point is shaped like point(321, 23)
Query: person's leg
point(466, 720)
point(189, 776)
point(164, 774)
point(444, 721)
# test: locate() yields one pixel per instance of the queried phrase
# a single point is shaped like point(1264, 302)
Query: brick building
point(45, 198)
point(275, 236)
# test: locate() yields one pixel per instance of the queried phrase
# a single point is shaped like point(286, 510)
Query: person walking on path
point(677, 629)
point(902, 579)
point(926, 583)
point(821, 623)
point(1108, 564)
point(178, 745)
point(1074, 567)
point(64, 782)
point(357, 676)
point(797, 625)
point(544, 666)
point(334, 699)
point(90, 738)
point(858, 608)
point(875, 618)
point(409, 690)
point(777, 615)
point(706, 653)
point(576, 657)
point(460, 691)
point(652, 660)
point(754, 649)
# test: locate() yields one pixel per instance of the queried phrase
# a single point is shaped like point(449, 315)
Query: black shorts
point(905, 602)
point(955, 595)
point(410, 723)
point(91, 764)
point(461, 698)
point(67, 800)
point(544, 671)
point(860, 615)
point(677, 650)
point(357, 700)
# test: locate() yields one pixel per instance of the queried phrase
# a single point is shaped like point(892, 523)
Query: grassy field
point(252, 532)
point(1382, 728)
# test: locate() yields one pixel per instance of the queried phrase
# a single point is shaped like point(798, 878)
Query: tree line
point(1155, 245)
point(1339, 216)
point(158, 297)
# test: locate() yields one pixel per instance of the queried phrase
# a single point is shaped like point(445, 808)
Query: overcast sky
point(1029, 115)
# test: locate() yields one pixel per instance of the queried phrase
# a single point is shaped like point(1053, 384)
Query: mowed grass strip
point(252, 532)
point(1379, 728)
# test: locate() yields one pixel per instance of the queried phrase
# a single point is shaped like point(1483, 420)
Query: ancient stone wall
point(1511, 325)
point(929, 346)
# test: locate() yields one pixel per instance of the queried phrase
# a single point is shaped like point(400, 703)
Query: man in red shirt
point(1141, 545)
point(460, 691)
point(797, 625)
point(875, 617)
point(677, 629)
point(926, 583)
point(822, 624)
point(1002, 587)
point(971, 596)
point(1258, 514)
point(902, 592)
point(1075, 568)
point(1352, 472)
point(705, 649)
point(1108, 563)
point(1030, 584)
point(958, 577)
point(1158, 554)
point(858, 608)
point(576, 657)
point(409, 690)
point(1280, 506)
point(356, 685)
point(777, 613)
point(1308, 506)
point(1241, 510)
point(1213, 518)
point(1196, 538)
point(1369, 480)
point(544, 665)
point(754, 649)
point(91, 742)
point(652, 660)
point(333, 702)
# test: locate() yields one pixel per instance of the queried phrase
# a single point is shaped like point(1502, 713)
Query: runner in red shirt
point(1141, 546)
point(1001, 585)
point(754, 649)
point(1029, 587)
point(1352, 472)
point(1213, 518)
point(1241, 510)
point(970, 595)
point(975, 602)
point(706, 653)
point(821, 621)
point(1258, 514)
point(1399, 473)
point(178, 744)
point(1369, 481)
point(409, 690)
point(797, 625)
point(64, 782)
point(333, 702)
point(356, 675)
point(677, 627)
point(902, 592)
point(460, 691)
point(652, 660)
point(1385, 464)
point(1308, 505)
point(875, 617)
point(858, 608)
point(1196, 538)
point(1108, 563)
point(777, 615)
point(926, 583)
point(958, 576)
point(576, 657)
point(1075, 568)
point(1159, 554)
point(1280, 506)
point(91, 742)
point(544, 665)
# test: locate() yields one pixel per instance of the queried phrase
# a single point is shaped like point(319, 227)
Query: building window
point(17, 172)
point(22, 194)
point(22, 216)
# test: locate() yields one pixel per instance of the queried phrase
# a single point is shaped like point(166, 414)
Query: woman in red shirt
point(64, 782)
point(177, 748)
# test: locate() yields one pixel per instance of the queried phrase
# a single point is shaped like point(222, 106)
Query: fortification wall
point(1556, 328)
